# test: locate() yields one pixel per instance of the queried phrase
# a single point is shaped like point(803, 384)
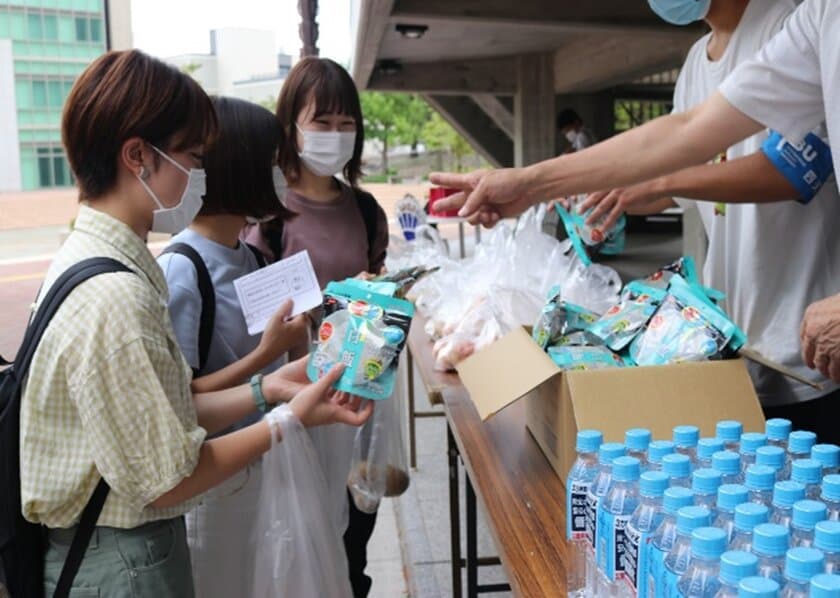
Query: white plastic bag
point(299, 549)
point(380, 466)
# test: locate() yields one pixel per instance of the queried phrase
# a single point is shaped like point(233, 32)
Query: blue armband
point(807, 165)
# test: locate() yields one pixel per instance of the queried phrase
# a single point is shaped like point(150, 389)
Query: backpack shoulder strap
point(272, 233)
point(208, 299)
point(257, 255)
point(370, 209)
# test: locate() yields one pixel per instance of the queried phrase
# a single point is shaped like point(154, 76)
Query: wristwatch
point(257, 393)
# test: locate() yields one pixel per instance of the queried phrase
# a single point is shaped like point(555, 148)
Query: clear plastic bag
point(380, 466)
point(299, 548)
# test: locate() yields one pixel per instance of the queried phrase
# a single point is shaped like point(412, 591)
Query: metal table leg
point(412, 430)
point(454, 514)
point(472, 542)
point(461, 239)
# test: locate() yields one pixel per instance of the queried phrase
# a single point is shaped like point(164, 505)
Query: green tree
point(439, 135)
point(392, 118)
point(190, 68)
point(269, 103)
point(412, 118)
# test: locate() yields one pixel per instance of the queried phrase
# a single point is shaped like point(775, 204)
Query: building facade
point(44, 46)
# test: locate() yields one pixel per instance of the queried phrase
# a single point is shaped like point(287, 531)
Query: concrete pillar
point(533, 113)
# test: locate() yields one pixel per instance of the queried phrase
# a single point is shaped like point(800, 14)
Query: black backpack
point(22, 544)
point(208, 296)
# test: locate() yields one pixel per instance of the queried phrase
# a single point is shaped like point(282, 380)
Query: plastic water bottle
point(809, 473)
point(758, 587)
point(827, 539)
point(750, 443)
point(678, 468)
point(656, 451)
point(748, 516)
point(637, 442)
point(706, 448)
point(825, 586)
point(800, 444)
point(801, 564)
point(637, 541)
point(608, 452)
point(581, 476)
point(728, 463)
point(730, 432)
point(686, 439)
point(702, 578)
point(614, 513)
point(831, 495)
point(773, 457)
point(806, 515)
point(760, 480)
point(664, 538)
point(778, 430)
point(770, 543)
point(829, 457)
point(735, 566)
point(705, 483)
point(728, 498)
point(785, 494)
point(676, 562)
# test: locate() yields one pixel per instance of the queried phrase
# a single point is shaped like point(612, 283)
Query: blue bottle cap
point(808, 513)
point(654, 484)
point(806, 471)
point(827, 536)
point(735, 565)
point(708, 543)
point(727, 462)
point(691, 518)
point(825, 586)
point(760, 478)
point(686, 436)
point(588, 441)
point(610, 451)
point(707, 447)
point(831, 487)
point(758, 587)
point(778, 429)
point(749, 515)
point(827, 454)
point(731, 495)
point(801, 564)
point(706, 481)
point(676, 498)
point(626, 469)
point(787, 493)
point(658, 449)
point(801, 442)
point(676, 465)
point(751, 442)
point(771, 456)
point(770, 539)
point(637, 439)
point(729, 430)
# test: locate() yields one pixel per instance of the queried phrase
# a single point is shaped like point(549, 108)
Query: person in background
point(342, 227)
point(572, 131)
point(108, 394)
point(241, 184)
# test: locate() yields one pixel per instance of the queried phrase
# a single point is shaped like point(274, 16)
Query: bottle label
point(592, 502)
point(612, 529)
point(576, 510)
point(637, 548)
point(656, 573)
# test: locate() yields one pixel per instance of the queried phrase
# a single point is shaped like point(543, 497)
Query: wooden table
point(506, 471)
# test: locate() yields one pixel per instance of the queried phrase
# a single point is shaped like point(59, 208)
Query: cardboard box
point(610, 400)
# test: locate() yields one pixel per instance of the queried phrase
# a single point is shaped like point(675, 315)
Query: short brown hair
point(333, 90)
point(239, 163)
point(129, 94)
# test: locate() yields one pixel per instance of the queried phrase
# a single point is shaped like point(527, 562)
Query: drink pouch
point(559, 318)
point(687, 326)
point(589, 240)
point(365, 331)
point(576, 339)
point(379, 287)
point(623, 321)
point(684, 267)
point(584, 358)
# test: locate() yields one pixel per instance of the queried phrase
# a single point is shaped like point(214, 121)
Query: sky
point(169, 27)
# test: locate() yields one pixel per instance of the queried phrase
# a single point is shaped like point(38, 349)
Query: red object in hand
point(435, 195)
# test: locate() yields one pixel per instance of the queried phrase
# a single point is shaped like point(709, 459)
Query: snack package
point(589, 240)
point(366, 332)
point(687, 326)
point(624, 320)
point(559, 318)
point(576, 339)
point(684, 267)
point(584, 358)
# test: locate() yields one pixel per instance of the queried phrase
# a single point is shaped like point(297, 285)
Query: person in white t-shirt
point(572, 131)
point(791, 86)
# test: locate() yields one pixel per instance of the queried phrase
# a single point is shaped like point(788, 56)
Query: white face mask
point(279, 190)
point(175, 219)
point(571, 136)
point(326, 153)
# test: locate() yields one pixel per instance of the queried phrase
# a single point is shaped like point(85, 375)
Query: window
point(50, 27)
point(39, 93)
point(96, 30)
point(53, 169)
point(82, 29)
point(56, 96)
point(33, 26)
